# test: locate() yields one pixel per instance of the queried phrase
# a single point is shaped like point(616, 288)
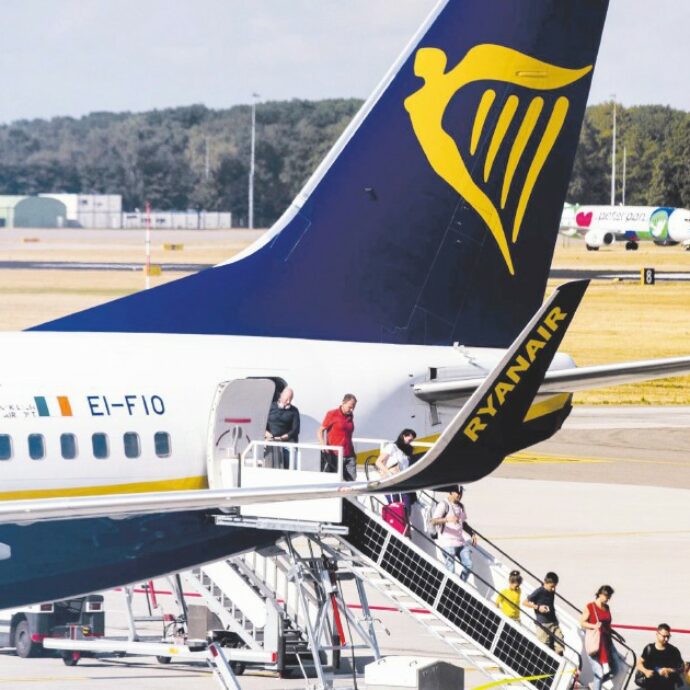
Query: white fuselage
point(147, 384)
point(635, 223)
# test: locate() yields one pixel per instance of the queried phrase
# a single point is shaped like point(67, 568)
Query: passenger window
point(68, 446)
point(161, 440)
point(5, 447)
point(132, 445)
point(99, 444)
point(37, 446)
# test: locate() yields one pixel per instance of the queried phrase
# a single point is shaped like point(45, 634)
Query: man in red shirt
point(336, 430)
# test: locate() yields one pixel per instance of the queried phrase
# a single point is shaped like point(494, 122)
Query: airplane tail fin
point(482, 433)
point(434, 217)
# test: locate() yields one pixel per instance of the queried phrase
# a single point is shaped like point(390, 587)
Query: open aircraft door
point(238, 417)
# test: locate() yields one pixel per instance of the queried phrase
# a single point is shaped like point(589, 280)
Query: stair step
point(365, 569)
point(439, 628)
point(402, 595)
point(470, 651)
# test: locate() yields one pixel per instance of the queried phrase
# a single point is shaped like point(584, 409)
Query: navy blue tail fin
point(434, 217)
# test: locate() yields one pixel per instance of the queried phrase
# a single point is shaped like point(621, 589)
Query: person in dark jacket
point(282, 425)
point(660, 662)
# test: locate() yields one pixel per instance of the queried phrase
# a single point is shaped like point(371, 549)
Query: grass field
point(617, 321)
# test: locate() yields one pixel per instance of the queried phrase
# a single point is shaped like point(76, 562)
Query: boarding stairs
point(450, 610)
point(282, 600)
point(409, 570)
point(252, 615)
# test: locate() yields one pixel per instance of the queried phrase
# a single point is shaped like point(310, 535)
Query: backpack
point(432, 530)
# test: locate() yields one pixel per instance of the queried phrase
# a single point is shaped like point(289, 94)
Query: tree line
point(196, 157)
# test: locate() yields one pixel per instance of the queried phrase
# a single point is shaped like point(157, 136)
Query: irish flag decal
point(53, 406)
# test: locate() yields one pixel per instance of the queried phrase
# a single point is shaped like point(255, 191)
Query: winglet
point(476, 441)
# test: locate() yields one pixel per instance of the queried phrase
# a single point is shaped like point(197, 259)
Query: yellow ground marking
point(547, 458)
point(504, 681)
point(587, 535)
point(534, 459)
point(182, 484)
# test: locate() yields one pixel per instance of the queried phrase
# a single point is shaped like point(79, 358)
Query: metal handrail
point(491, 587)
point(614, 633)
point(250, 458)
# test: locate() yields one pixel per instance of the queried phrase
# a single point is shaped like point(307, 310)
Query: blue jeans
point(600, 677)
point(464, 553)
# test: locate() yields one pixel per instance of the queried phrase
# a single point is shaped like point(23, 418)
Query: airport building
point(100, 211)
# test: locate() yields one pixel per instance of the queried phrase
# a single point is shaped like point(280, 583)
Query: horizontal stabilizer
point(566, 380)
point(584, 378)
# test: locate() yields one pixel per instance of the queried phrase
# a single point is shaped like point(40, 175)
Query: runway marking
point(532, 458)
point(580, 535)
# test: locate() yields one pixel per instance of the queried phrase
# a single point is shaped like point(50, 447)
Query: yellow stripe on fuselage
point(182, 484)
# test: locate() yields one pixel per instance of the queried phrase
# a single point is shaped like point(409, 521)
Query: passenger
point(542, 601)
point(337, 429)
point(394, 458)
point(451, 518)
point(282, 425)
point(508, 599)
point(597, 616)
point(660, 665)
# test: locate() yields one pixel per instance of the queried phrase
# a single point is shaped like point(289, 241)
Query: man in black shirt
point(660, 663)
point(542, 601)
point(282, 425)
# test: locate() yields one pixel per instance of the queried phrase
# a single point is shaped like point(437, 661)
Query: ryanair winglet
point(476, 441)
point(439, 204)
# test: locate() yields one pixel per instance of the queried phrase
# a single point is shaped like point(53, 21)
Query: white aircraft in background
point(431, 222)
point(601, 226)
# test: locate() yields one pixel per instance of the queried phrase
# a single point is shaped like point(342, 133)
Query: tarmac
point(606, 501)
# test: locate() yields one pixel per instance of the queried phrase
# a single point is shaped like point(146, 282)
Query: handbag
point(329, 461)
point(640, 679)
point(593, 637)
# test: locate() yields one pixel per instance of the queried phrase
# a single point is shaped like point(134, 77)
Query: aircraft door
point(238, 417)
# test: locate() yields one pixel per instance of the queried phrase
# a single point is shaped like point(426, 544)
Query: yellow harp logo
point(427, 107)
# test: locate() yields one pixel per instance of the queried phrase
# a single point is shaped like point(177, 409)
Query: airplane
point(404, 271)
point(601, 226)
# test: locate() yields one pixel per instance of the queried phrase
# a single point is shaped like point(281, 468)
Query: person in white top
point(394, 458)
point(450, 519)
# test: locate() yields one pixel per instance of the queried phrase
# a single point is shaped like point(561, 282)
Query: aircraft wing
point(124, 505)
point(567, 380)
point(469, 448)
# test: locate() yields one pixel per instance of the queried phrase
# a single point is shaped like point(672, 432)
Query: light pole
point(625, 157)
point(251, 163)
point(613, 155)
